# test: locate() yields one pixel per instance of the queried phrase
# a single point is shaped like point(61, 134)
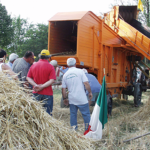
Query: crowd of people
point(83, 88)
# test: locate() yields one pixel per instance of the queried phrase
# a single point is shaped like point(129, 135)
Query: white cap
point(13, 57)
point(54, 63)
point(71, 61)
point(85, 71)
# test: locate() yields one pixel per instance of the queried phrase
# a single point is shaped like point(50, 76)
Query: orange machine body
point(94, 45)
point(120, 19)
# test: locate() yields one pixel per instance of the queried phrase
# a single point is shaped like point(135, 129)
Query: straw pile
point(24, 124)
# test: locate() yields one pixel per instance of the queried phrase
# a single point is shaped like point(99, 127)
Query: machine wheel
point(125, 96)
point(137, 94)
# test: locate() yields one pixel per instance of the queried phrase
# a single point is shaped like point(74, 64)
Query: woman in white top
point(3, 66)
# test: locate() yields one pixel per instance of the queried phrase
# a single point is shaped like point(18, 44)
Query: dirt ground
point(123, 124)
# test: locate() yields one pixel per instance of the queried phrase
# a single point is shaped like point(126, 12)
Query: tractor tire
point(137, 94)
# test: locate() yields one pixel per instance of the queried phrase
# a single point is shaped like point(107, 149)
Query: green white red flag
point(99, 115)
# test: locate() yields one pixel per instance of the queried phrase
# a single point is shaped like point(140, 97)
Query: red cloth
point(41, 72)
point(88, 130)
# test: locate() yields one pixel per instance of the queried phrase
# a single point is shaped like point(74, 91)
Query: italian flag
point(99, 115)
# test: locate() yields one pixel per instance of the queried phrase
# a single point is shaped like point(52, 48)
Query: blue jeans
point(48, 101)
point(84, 109)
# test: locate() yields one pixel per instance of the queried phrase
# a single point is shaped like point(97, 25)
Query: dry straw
point(24, 124)
point(125, 123)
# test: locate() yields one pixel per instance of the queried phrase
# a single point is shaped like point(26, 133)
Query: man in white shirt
point(75, 80)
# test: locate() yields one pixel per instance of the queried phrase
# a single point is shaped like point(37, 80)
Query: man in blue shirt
point(63, 69)
point(95, 86)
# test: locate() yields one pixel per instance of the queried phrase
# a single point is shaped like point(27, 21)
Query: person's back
point(64, 69)
point(21, 66)
point(41, 72)
point(94, 84)
point(74, 80)
point(41, 76)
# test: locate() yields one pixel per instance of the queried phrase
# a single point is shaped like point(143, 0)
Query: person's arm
point(9, 71)
point(48, 83)
point(64, 95)
point(65, 99)
point(31, 81)
point(57, 71)
point(40, 87)
point(87, 86)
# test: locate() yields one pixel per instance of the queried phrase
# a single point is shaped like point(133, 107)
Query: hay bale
point(24, 123)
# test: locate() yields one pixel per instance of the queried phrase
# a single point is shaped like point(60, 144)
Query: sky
point(40, 11)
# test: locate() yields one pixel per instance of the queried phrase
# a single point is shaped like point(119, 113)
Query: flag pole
point(107, 116)
point(104, 71)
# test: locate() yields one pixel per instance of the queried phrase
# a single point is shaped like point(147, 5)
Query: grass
point(126, 122)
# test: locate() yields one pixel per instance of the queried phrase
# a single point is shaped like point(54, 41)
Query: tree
point(6, 30)
point(36, 38)
point(146, 14)
point(20, 27)
point(28, 37)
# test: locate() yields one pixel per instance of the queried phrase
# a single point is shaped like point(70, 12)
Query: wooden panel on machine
point(125, 25)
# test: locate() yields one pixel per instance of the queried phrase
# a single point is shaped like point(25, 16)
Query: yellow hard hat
point(45, 52)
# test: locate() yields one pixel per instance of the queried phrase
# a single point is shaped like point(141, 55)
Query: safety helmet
point(45, 52)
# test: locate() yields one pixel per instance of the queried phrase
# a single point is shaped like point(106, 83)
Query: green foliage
point(6, 30)
point(146, 14)
point(36, 38)
point(28, 37)
point(20, 27)
point(17, 35)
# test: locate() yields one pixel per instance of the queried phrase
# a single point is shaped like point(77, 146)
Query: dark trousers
point(47, 100)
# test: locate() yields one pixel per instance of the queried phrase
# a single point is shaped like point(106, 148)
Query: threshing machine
point(117, 42)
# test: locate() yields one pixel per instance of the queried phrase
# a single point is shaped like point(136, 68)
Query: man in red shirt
point(41, 76)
